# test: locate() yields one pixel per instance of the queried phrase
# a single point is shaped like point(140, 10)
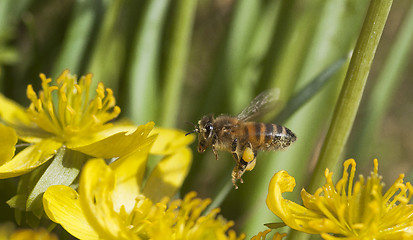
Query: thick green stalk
point(352, 90)
point(384, 89)
point(350, 95)
point(176, 60)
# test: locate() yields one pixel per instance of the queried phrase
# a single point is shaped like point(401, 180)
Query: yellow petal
point(97, 182)
point(109, 130)
point(8, 140)
point(118, 144)
point(309, 200)
point(117, 127)
point(13, 113)
point(29, 158)
point(168, 175)
point(292, 214)
point(169, 140)
point(62, 205)
point(129, 171)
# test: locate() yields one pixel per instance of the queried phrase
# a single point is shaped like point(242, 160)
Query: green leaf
point(310, 90)
point(275, 225)
point(63, 170)
point(29, 158)
point(26, 183)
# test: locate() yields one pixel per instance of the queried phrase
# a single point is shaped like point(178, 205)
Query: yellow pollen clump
point(248, 155)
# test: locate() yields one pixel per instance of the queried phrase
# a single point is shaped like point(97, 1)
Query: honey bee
point(242, 137)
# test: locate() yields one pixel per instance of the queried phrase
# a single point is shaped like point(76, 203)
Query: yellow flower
point(63, 127)
point(60, 116)
point(116, 202)
point(347, 210)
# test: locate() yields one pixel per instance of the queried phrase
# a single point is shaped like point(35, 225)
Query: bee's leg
point(240, 169)
point(234, 148)
point(214, 141)
point(237, 173)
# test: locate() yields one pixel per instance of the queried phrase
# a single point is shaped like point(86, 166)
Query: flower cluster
point(103, 209)
point(62, 128)
point(65, 133)
point(346, 210)
point(63, 116)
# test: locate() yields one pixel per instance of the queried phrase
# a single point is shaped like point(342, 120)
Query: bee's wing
point(261, 104)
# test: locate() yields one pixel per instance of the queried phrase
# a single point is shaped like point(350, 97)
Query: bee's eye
point(208, 129)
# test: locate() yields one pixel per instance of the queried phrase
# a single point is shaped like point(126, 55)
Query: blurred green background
point(172, 62)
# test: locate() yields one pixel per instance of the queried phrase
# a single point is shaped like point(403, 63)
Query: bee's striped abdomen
point(254, 133)
point(281, 137)
point(268, 136)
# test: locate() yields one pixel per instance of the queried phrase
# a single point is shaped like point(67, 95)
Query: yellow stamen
point(347, 210)
point(70, 114)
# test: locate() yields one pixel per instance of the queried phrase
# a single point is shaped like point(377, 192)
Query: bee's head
point(205, 131)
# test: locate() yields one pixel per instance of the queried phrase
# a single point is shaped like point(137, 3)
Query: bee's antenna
point(191, 132)
point(196, 130)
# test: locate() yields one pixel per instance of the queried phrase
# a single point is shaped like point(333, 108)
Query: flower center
point(363, 210)
point(66, 111)
point(179, 218)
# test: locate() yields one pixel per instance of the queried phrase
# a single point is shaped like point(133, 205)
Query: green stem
point(384, 89)
point(176, 60)
point(351, 94)
point(352, 91)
